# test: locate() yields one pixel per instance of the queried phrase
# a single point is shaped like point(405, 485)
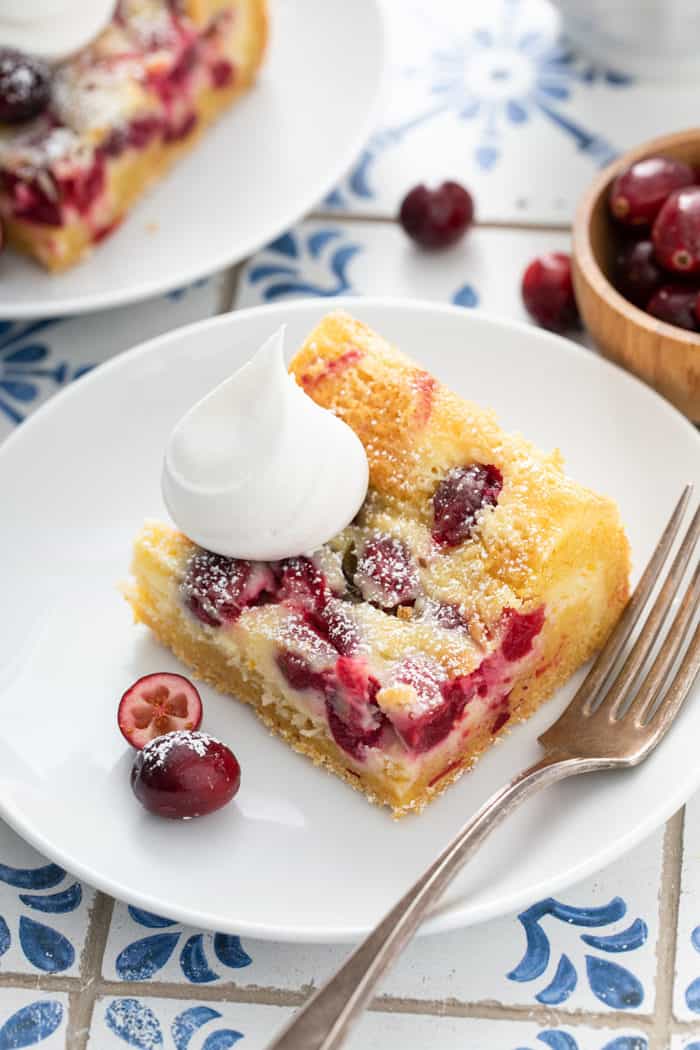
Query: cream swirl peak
point(258, 470)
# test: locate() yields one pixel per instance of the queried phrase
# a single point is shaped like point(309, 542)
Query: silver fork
point(602, 728)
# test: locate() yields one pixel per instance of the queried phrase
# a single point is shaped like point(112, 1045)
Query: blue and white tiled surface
point(490, 94)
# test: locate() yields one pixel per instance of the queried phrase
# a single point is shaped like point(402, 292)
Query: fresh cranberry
point(25, 86)
point(521, 629)
point(638, 192)
point(185, 774)
point(458, 499)
point(386, 573)
point(437, 218)
point(676, 231)
point(217, 589)
point(548, 291)
point(158, 704)
point(637, 274)
point(675, 304)
point(221, 73)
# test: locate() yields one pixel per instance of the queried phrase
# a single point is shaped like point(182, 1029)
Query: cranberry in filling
point(218, 589)
point(386, 572)
point(521, 629)
point(458, 499)
point(221, 73)
point(301, 584)
point(299, 673)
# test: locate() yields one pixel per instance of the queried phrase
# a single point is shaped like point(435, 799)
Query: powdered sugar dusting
point(156, 752)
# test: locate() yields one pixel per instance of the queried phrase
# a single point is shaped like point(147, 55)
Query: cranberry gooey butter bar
point(474, 580)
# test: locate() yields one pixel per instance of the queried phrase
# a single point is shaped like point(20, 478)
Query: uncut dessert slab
point(475, 579)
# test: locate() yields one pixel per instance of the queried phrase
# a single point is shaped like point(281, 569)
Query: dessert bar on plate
point(474, 580)
point(120, 113)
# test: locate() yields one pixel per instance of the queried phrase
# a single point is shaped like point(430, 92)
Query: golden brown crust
point(129, 176)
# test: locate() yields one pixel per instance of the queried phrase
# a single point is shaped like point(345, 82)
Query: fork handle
point(325, 1021)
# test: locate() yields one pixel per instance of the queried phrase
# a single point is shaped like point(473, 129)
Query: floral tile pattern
point(33, 1019)
point(39, 358)
point(493, 95)
point(152, 1024)
point(593, 949)
point(686, 996)
point(44, 912)
point(369, 258)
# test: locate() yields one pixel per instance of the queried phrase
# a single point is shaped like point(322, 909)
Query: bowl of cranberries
point(636, 265)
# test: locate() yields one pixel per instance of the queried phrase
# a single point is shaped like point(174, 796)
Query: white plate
point(270, 159)
point(298, 855)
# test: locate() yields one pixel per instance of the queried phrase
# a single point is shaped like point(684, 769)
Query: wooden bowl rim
point(586, 261)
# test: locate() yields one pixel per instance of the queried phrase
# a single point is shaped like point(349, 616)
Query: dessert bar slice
point(474, 580)
point(120, 113)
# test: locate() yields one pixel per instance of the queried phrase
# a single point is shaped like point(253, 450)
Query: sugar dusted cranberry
point(218, 589)
point(458, 499)
point(185, 774)
point(334, 623)
point(520, 631)
point(441, 614)
point(437, 218)
point(676, 231)
point(548, 291)
point(638, 192)
point(675, 304)
point(637, 274)
point(440, 704)
point(157, 704)
point(301, 584)
point(386, 573)
point(25, 86)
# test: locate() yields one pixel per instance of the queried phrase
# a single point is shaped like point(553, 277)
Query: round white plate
point(266, 162)
point(298, 855)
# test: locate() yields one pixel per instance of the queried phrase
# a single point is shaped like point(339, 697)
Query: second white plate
point(298, 855)
point(263, 165)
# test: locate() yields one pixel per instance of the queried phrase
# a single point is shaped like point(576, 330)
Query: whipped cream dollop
point(52, 29)
point(258, 470)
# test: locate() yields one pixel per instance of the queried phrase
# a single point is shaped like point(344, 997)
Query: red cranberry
point(301, 584)
point(299, 673)
point(442, 704)
point(218, 589)
point(221, 73)
point(696, 308)
point(637, 274)
point(638, 192)
point(548, 291)
point(25, 86)
point(437, 218)
point(386, 573)
point(334, 624)
point(185, 774)
point(676, 232)
point(521, 629)
point(675, 304)
point(157, 704)
point(458, 499)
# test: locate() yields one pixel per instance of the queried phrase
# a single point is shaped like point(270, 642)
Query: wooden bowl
point(666, 357)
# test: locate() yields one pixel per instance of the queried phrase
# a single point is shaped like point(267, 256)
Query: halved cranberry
point(157, 704)
point(25, 86)
point(458, 499)
point(675, 304)
point(521, 629)
point(217, 589)
point(676, 231)
point(548, 292)
point(386, 573)
point(185, 774)
point(437, 218)
point(638, 192)
point(299, 673)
